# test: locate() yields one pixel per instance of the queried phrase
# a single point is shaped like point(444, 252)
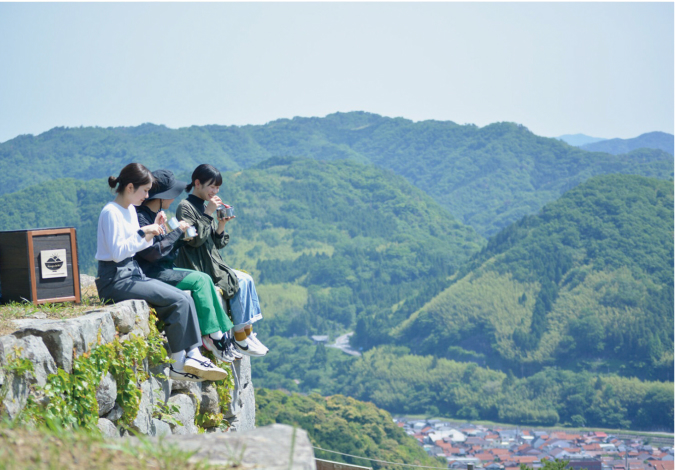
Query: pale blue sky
point(602, 69)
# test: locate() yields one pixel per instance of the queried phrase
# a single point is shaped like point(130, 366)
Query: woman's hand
point(152, 231)
point(213, 204)
point(161, 218)
point(183, 225)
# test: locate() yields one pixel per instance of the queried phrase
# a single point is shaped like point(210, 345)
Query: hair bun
point(112, 181)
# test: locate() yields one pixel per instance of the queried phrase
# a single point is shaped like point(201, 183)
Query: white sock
point(195, 354)
point(179, 359)
point(217, 335)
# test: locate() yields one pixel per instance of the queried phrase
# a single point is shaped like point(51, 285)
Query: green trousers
point(210, 313)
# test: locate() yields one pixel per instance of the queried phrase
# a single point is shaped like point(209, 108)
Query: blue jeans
point(245, 305)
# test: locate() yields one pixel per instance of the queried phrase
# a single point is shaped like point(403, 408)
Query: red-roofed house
point(662, 464)
point(485, 457)
point(447, 447)
point(592, 447)
point(500, 452)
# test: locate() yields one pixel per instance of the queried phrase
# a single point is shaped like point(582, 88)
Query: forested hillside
point(651, 140)
point(486, 177)
point(396, 380)
point(587, 284)
point(342, 424)
point(325, 241)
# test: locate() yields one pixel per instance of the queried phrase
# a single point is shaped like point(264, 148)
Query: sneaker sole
point(205, 373)
point(177, 376)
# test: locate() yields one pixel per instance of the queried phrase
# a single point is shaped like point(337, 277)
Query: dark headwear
point(166, 186)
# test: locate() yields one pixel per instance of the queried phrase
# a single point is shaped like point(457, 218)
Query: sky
point(601, 69)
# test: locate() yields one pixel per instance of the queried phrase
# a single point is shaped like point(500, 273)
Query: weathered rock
point(131, 317)
point(115, 414)
point(143, 421)
point(33, 349)
point(107, 428)
point(16, 388)
point(63, 337)
point(161, 374)
point(106, 394)
point(273, 447)
point(16, 395)
point(209, 402)
point(185, 415)
point(241, 412)
point(160, 428)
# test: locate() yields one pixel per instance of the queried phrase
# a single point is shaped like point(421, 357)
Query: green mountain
point(326, 241)
point(587, 284)
point(486, 177)
point(651, 140)
point(345, 425)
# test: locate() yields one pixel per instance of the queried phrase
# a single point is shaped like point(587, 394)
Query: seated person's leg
point(245, 308)
point(177, 312)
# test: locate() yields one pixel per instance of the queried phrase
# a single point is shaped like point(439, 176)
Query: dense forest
point(400, 382)
point(587, 284)
point(345, 425)
point(487, 177)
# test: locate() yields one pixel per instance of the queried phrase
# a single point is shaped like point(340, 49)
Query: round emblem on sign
point(54, 263)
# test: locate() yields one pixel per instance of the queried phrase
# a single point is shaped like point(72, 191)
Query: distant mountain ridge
point(487, 177)
point(651, 140)
point(579, 139)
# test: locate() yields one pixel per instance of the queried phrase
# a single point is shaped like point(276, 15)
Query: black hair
point(133, 173)
point(206, 174)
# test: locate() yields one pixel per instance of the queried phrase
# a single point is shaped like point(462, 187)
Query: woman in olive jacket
point(201, 253)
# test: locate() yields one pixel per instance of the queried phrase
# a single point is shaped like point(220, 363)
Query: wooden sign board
point(39, 265)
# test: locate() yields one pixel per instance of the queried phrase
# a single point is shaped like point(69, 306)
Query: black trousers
point(125, 281)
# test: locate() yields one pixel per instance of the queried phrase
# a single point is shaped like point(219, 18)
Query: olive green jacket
point(201, 252)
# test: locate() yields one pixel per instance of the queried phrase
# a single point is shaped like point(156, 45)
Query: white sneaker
point(219, 347)
point(249, 348)
point(203, 368)
point(254, 337)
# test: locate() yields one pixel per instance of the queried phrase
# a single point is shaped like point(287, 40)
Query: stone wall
point(52, 344)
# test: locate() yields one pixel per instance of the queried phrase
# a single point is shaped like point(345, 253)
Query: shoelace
point(205, 363)
point(221, 344)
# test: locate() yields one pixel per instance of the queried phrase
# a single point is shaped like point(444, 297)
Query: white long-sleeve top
point(117, 236)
